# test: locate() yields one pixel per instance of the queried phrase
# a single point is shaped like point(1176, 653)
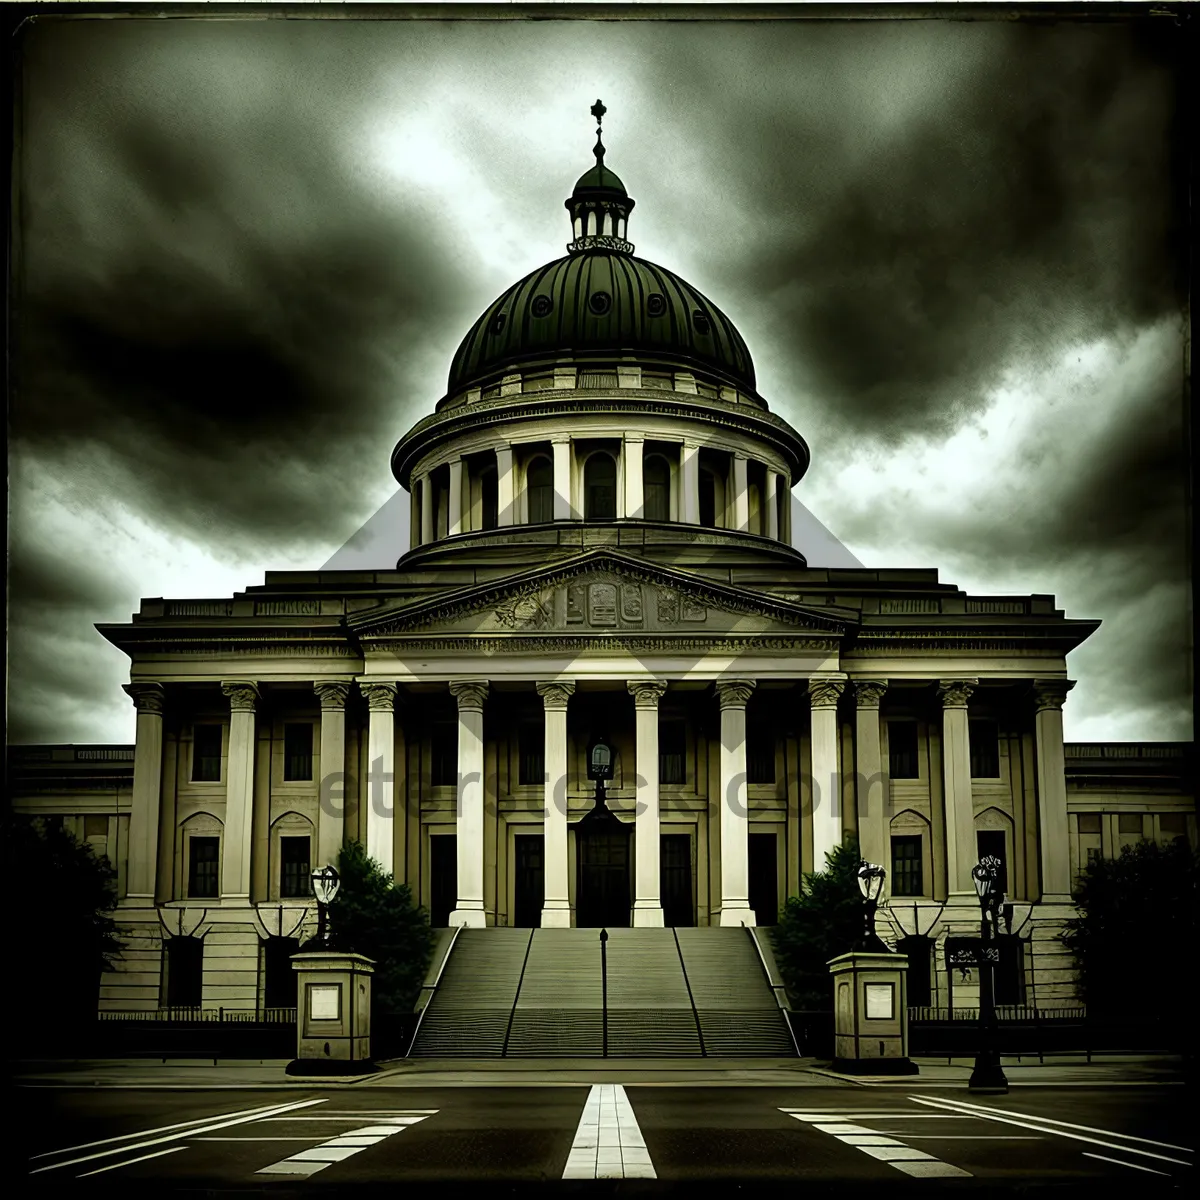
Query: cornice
point(488, 646)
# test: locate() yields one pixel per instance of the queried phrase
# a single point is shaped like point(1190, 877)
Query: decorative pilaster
point(741, 494)
point(455, 511)
point(148, 699)
point(556, 909)
point(690, 472)
point(634, 495)
point(561, 447)
point(377, 811)
point(428, 503)
point(772, 503)
point(1053, 833)
point(647, 903)
point(239, 791)
point(735, 814)
point(872, 793)
point(823, 697)
point(956, 768)
point(470, 695)
point(331, 795)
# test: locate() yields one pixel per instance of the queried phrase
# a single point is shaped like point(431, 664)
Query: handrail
point(687, 983)
point(516, 999)
point(775, 988)
point(433, 987)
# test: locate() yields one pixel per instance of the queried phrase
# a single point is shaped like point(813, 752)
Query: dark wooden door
point(764, 879)
point(603, 895)
point(675, 879)
point(530, 881)
point(279, 976)
point(443, 879)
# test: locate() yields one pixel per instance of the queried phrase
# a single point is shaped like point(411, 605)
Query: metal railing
point(432, 988)
point(196, 1015)
point(777, 989)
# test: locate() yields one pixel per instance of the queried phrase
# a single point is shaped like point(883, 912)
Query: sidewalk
point(269, 1074)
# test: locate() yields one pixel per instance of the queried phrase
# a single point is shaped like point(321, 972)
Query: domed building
point(602, 689)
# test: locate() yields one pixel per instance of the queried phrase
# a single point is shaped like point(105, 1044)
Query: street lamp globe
point(325, 883)
point(985, 875)
point(870, 881)
point(600, 760)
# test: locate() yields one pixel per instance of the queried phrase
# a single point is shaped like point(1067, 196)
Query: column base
point(558, 917)
point(741, 915)
point(647, 914)
point(471, 918)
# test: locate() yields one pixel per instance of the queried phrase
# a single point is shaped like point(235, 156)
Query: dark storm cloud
point(209, 293)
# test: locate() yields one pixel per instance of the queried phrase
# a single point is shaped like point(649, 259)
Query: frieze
point(632, 643)
point(255, 647)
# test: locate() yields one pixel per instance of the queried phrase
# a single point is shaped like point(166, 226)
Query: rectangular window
point(298, 751)
point(206, 754)
point(984, 737)
point(907, 867)
point(672, 749)
point(295, 869)
point(1128, 823)
point(902, 749)
point(443, 767)
point(1089, 822)
point(203, 860)
point(97, 827)
point(760, 752)
point(992, 841)
point(531, 748)
point(1170, 825)
point(1093, 854)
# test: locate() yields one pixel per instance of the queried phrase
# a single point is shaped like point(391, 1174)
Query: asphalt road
point(643, 1138)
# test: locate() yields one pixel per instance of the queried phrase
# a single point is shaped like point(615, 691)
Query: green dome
point(602, 302)
point(600, 178)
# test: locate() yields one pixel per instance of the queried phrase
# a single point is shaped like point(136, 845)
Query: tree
point(825, 920)
point(1136, 926)
point(373, 915)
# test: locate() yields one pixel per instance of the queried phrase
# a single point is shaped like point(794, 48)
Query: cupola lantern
point(599, 205)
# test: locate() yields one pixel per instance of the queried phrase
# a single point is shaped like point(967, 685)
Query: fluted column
point(741, 494)
point(961, 851)
point(331, 815)
point(377, 811)
point(735, 815)
point(772, 502)
point(873, 840)
point(556, 908)
point(470, 695)
point(428, 503)
point(647, 903)
point(634, 496)
point(823, 696)
point(1053, 831)
point(239, 791)
point(147, 791)
point(454, 523)
point(562, 478)
point(690, 472)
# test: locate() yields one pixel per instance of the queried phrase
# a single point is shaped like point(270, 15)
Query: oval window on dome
point(700, 322)
point(600, 303)
point(656, 304)
point(541, 306)
point(498, 322)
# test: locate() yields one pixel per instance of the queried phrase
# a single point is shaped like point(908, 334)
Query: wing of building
point(601, 553)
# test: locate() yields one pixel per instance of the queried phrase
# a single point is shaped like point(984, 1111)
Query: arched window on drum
point(539, 485)
point(656, 485)
point(600, 487)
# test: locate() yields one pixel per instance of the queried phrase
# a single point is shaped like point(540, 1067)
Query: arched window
point(600, 487)
point(591, 224)
point(489, 489)
point(708, 497)
point(539, 484)
point(656, 483)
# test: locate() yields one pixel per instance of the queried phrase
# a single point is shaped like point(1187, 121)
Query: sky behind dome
point(247, 250)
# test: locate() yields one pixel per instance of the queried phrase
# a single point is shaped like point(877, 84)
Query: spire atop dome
point(599, 205)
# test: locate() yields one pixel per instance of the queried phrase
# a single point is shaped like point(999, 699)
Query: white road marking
point(130, 1161)
point(1038, 1124)
point(1135, 1166)
point(240, 1119)
point(341, 1146)
point(608, 1143)
point(908, 1159)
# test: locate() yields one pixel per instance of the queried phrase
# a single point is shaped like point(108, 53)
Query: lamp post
point(988, 1076)
point(325, 884)
point(870, 883)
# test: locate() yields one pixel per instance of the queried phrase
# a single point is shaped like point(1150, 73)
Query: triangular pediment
point(601, 591)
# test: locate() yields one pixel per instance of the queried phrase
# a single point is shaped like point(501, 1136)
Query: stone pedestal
point(871, 1014)
point(333, 1014)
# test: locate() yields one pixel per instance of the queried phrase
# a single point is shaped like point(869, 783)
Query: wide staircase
point(653, 993)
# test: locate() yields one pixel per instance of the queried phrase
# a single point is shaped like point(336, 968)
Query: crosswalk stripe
point(608, 1143)
point(908, 1159)
point(342, 1146)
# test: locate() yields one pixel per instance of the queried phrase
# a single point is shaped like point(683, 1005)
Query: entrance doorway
point(279, 976)
point(603, 896)
point(675, 882)
point(764, 879)
point(530, 880)
point(443, 878)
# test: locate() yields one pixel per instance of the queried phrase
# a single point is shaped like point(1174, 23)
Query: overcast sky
point(249, 248)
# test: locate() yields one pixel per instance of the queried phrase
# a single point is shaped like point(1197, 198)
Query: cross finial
point(598, 111)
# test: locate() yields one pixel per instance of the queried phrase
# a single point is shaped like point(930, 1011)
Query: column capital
point(470, 693)
point(869, 692)
point(954, 693)
point(825, 692)
point(633, 437)
point(332, 693)
point(1050, 693)
point(555, 692)
point(560, 438)
point(243, 694)
point(647, 693)
point(146, 697)
point(380, 694)
point(734, 693)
